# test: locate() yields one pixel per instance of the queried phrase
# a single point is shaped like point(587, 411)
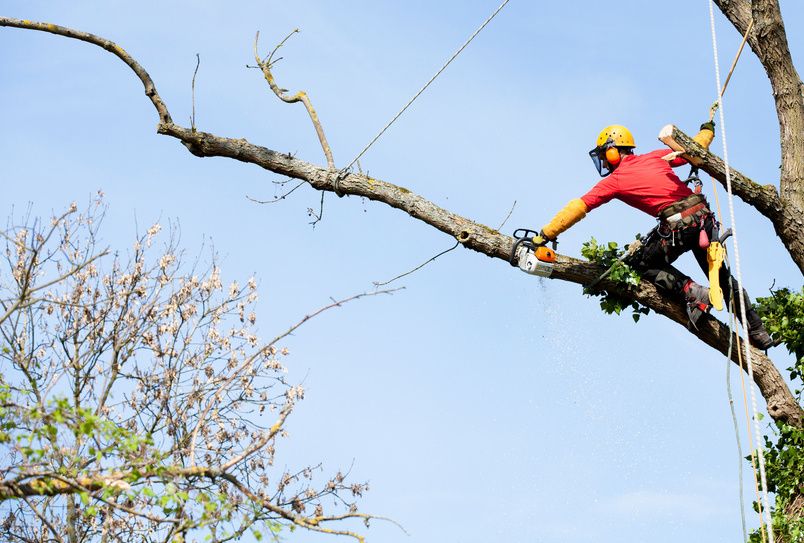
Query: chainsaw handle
point(524, 236)
point(525, 233)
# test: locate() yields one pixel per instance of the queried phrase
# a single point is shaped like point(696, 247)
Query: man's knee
point(666, 279)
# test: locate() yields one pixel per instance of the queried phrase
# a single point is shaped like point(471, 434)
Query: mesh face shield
point(601, 165)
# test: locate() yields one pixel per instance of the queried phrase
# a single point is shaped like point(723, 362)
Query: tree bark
point(768, 41)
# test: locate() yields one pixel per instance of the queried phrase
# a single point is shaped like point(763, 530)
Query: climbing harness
point(694, 180)
point(531, 257)
point(749, 361)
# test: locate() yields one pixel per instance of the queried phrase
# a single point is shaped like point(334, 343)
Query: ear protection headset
point(612, 153)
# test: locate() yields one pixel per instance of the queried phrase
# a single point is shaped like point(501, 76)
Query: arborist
point(648, 183)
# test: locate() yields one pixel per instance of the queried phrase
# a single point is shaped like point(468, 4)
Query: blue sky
point(480, 403)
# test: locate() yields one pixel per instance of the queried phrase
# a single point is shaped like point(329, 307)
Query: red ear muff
point(613, 156)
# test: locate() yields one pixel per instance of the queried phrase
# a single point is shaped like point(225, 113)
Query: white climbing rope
point(421, 90)
point(735, 244)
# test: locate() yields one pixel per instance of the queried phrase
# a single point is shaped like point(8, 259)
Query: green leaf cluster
point(784, 466)
point(783, 316)
point(609, 255)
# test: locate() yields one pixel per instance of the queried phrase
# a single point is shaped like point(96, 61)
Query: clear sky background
point(481, 404)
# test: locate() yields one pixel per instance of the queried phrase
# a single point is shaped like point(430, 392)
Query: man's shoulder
point(657, 153)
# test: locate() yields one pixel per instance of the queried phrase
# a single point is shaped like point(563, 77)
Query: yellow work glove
point(706, 134)
point(571, 213)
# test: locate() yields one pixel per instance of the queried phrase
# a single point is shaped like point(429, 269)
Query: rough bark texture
point(768, 41)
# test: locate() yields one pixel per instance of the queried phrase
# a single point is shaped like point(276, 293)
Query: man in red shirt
point(648, 183)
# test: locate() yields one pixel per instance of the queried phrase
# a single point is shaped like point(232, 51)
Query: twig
point(43, 519)
point(25, 300)
point(259, 444)
point(278, 199)
point(301, 96)
point(507, 216)
point(420, 266)
point(237, 372)
point(335, 303)
point(320, 213)
point(197, 64)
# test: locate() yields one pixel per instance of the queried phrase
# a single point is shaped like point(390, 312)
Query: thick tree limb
point(483, 239)
point(472, 235)
point(786, 218)
point(768, 40)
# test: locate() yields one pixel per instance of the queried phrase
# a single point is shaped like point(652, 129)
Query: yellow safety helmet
point(619, 135)
point(606, 155)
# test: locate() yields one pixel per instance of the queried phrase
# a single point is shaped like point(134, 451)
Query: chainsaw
point(529, 257)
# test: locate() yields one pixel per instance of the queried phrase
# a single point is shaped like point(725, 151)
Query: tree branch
point(768, 41)
point(785, 217)
point(119, 52)
point(53, 485)
point(472, 235)
point(301, 96)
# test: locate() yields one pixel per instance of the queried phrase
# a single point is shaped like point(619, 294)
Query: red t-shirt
point(645, 182)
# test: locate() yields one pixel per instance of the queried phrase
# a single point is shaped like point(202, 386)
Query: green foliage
point(610, 255)
point(783, 316)
point(784, 466)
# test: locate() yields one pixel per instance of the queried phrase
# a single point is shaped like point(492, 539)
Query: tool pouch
point(690, 211)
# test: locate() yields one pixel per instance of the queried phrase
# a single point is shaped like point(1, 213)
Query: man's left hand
point(540, 239)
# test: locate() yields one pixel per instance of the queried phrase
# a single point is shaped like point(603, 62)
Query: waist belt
point(683, 212)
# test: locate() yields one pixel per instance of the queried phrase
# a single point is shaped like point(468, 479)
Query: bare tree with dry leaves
point(780, 201)
point(136, 401)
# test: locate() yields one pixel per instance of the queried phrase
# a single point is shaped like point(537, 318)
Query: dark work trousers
point(659, 252)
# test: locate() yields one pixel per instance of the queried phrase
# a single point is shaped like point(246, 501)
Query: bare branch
point(277, 199)
point(195, 73)
point(417, 268)
point(119, 52)
point(334, 304)
point(505, 220)
point(43, 518)
point(301, 96)
point(317, 216)
point(236, 372)
point(264, 440)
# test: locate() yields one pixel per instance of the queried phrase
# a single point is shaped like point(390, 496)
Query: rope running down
point(749, 360)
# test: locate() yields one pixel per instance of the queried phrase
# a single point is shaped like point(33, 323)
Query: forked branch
point(265, 65)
